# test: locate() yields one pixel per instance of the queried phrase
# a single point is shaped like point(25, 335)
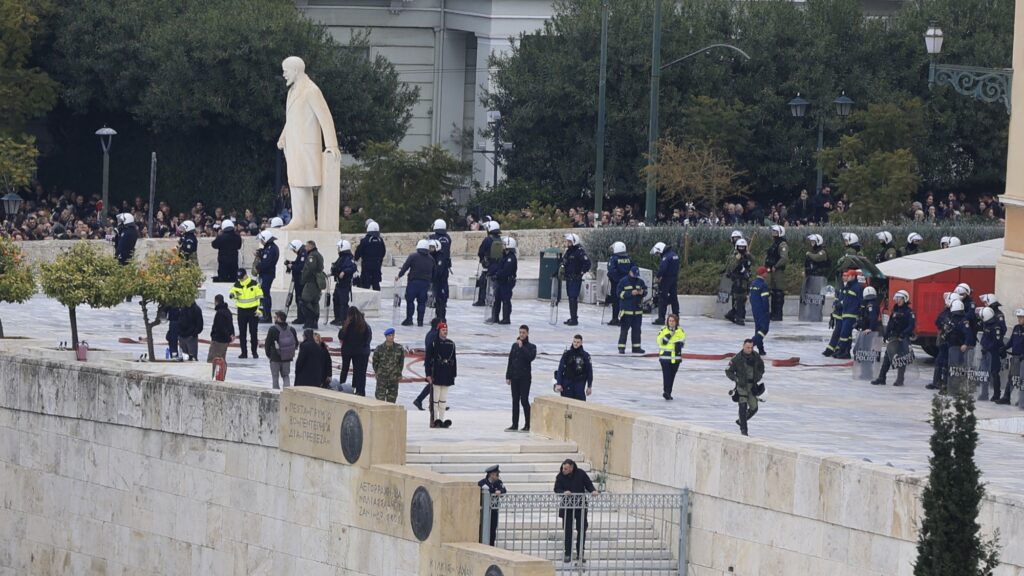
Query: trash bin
point(550, 258)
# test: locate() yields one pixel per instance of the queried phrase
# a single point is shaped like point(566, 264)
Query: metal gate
point(603, 533)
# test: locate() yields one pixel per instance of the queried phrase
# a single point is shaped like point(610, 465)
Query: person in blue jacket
point(575, 264)
point(631, 292)
point(343, 270)
point(849, 299)
point(760, 308)
point(668, 281)
point(868, 319)
point(575, 375)
point(942, 325)
point(992, 330)
point(266, 269)
point(370, 253)
point(618, 268)
point(960, 338)
point(505, 277)
point(1015, 347)
point(901, 326)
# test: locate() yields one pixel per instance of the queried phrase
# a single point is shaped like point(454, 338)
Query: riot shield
point(724, 304)
point(1016, 379)
point(901, 355)
point(866, 351)
point(556, 298)
point(396, 304)
point(960, 370)
point(978, 372)
point(812, 299)
point(985, 367)
point(431, 298)
point(491, 295)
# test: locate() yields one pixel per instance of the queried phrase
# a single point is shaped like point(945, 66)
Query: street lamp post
point(985, 84)
point(603, 74)
point(798, 107)
point(494, 119)
point(11, 203)
point(106, 136)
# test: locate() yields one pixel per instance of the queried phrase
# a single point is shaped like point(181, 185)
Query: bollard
point(220, 369)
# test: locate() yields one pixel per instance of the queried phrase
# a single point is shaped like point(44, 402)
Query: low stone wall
point(112, 471)
point(763, 508)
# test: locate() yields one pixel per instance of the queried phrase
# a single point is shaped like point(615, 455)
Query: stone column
point(1010, 267)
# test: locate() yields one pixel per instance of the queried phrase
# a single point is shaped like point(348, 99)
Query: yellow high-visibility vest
point(667, 344)
point(246, 293)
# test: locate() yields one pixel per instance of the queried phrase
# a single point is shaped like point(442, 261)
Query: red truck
point(926, 276)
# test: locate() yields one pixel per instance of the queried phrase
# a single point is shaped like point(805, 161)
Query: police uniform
point(343, 270)
point(668, 283)
point(888, 252)
point(266, 269)
point(760, 296)
point(902, 323)
point(505, 277)
point(776, 261)
point(992, 346)
point(618, 269)
point(247, 294)
point(489, 258)
point(297, 265)
point(439, 281)
point(575, 264)
point(495, 487)
point(959, 334)
point(187, 246)
point(575, 373)
point(867, 315)
point(631, 310)
point(939, 373)
point(370, 253)
point(738, 271)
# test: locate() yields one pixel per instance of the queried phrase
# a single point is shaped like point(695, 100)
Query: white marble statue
point(308, 128)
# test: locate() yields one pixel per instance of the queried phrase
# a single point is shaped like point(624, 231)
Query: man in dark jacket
point(420, 267)
point(441, 369)
point(505, 278)
point(223, 331)
point(266, 269)
point(227, 244)
point(619, 266)
point(309, 365)
point(342, 270)
point(668, 281)
point(371, 252)
point(126, 239)
point(494, 485)
point(745, 370)
point(575, 263)
point(898, 332)
point(489, 254)
point(630, 293)
point(574, 484)
point(575, 374)
point(190, 326)
point(294, 267)
point(518, 376)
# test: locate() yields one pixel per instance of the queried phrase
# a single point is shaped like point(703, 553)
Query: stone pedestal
point(326, 244)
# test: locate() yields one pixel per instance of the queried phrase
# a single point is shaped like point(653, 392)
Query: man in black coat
point(518, 376)
point(570, 482)
point(227, 244)
point(309, 365)
point(190, 326)
point(127, 237)
point(223, 331)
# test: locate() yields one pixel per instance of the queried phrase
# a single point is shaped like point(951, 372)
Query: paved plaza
point(815, 405)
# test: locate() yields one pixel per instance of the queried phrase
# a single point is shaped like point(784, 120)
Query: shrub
point(536, 216)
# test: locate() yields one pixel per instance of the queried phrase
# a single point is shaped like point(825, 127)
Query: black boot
point(899, 377)
point(573, 308)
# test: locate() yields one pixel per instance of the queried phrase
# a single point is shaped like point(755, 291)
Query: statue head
point(292, 69)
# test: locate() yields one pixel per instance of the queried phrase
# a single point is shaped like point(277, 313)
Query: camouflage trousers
point(387, 390)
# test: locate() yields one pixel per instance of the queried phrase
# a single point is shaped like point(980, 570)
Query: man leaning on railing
point(571, 480)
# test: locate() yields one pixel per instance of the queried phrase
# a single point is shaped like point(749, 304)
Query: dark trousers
point(502, 309)
point(739, 306)
point(247, 321)
point(761, 326)
point(580, 518)
point(481, 285)
point(941, 364)
point(630, 324)
point(778, 300)
point(172, 337)
point(300, 312)
point(416, 294)
point(575, 389)
point(668, 375)
point(424, 393)
point(666, 297)
point(359, 374)
point(833, 342)
point(266, 302)
point(520, 396)
point(346, 362)
point(310, 310)
point(494, 527)
point(745, 414)
point(340, 298)
point(846, 335)
point(572, 291)
point(370, 275)
point(615, 309)
point(440, 298)
point(886, 365)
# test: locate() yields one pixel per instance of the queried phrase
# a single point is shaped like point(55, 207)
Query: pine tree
point(949, 543)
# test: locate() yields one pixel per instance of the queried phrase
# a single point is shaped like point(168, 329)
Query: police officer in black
point(575, 263)
point(295, 267)
point(187, 242)
point(900, 328)
point(618, 268)
point(960, 338)
point(494, 485)
point(439, 280)
point(441, 235)
point(370, 253)
point(343, 270)
point(266, 269)
point(668, 281)
point(739, 271)
point(489, 254)
point(868, 319)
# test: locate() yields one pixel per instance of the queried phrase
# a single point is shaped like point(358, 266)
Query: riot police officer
point(897, 337)
point(992, 330)
point(342, 270)
point(227, 244)
point(505, 277)
point(913, 246)
point(816, 259)
point(668, 281)
point(266, 269)
point(370, 253)
point(960, 338)
point(489, 253)
point(776, 261)
point(738, 272)
point(295, 267)
point(439, 281)
point(188, 244)
point(887, 251)
point(575, 264)
point(619, 266)
point(943, 326)
point(868, 319)
point(851, 243)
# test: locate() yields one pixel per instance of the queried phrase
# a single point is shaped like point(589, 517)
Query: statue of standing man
point(308, 127)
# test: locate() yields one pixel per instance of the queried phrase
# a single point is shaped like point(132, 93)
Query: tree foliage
point(199, 82)
point(405, 190)
point(85, 275)
point(166, 279)
point(949, 542)
point(695, 171)
point(17, 161)
point(17, 283)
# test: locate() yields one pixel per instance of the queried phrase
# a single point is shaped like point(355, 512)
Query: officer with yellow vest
point(671, 340)
point(247, 294)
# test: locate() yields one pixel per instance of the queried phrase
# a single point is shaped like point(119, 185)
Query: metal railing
point(636, 534)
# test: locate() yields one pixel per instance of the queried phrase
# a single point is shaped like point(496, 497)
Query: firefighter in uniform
point(246, 293)
point(888, 251)
point(619, 266)
point(575, 264)
point(849, 304)
point(760, 297)
point(900, 327)
point(776, 261)
point(668, 281)
point(738, 272)
point(631, 291)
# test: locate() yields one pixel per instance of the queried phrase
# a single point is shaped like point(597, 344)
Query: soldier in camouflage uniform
point(388, 361)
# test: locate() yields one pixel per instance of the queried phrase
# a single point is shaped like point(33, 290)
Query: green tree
point(199, 82)
point(166, 279)
point(695, 171)
point(405, 190)
point(949, 542)
point(17, 283)
point(84, 275)
point(17, 161)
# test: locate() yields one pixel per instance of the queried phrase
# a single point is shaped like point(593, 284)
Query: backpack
point(286, 344)
point(497, 250)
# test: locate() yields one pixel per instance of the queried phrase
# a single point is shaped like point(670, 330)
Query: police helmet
point(741, 243)
point(902, 294)
point(870, 293)
point(736, 234)
point(944, 242)
point(372, 226)
point(959, 293)
point(954, 242)
point(265, 236)
point(815, 239)
point(227, 225)
point(435, 245)
point(344, 246)
point(885, 237)
point(618, 248)
point(127, 218)
point(956, 306)
point(989, 299)
point(850, 238)
point(778, 230)
point(295, 245)
point(440, 224)
point(658, 248)
point(510, 243)
point(423, 245)
point(573, 239)
point(493, 226)
point(188, 226)
point(914, 237)
point(1018, 312)
point(965, 286)
point(276, 222)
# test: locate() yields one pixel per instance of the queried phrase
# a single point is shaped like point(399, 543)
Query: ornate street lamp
point(106, 136)
point(798, 108)
point(12, 203)
point(985, 84)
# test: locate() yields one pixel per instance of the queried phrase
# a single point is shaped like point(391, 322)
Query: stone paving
point(815, 405)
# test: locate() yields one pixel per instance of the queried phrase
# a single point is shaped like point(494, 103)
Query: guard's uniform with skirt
point(668, 284)
point(441, 366)
point(746, 371)
point(495, 487)
point(759, 308)
point(776, 261)
point(631, 309)
point(575, 264)
point(902, 324)
point(670, 354)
